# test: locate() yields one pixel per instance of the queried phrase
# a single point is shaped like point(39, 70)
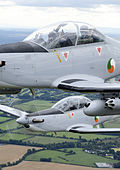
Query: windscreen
point(65, 34)
point(71, 103)
point(56, 36)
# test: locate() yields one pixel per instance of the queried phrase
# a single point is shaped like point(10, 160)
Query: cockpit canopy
point(71, 103)
point(65, 34)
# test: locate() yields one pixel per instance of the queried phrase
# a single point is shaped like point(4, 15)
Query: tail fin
point(12, 111)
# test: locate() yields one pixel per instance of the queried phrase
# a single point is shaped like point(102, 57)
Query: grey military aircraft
point(69, 55)
point(66, 115)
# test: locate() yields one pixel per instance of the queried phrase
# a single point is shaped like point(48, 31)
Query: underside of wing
point(86, 83)
point(94, 130)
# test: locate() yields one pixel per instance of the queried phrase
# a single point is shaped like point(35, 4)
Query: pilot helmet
point(52, 36)
point(84, 30)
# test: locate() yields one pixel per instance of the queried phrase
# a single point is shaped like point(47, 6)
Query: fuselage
point(67, 49)
point(66, 121)
point(42, 69)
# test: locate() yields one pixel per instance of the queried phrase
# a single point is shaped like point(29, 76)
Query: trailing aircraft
point(66, 115)
point(71, 56)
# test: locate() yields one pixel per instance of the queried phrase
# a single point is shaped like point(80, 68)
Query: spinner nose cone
point(22, 120)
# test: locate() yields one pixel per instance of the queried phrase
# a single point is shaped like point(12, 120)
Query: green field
point(9, 125)
point(47, 140)
point(71, 136)
point(2, 119)
point(8, 136)
point(79, 158)
point(85, 136)
point(34, 105)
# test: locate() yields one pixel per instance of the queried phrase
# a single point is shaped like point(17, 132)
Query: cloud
point(36, 17)
point(64, 3)
point(7, 3)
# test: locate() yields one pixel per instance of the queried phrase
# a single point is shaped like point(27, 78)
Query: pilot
point(52, 36)
point(86, 35)
point(65, 42)
point(39, 39)
point(84, 31)
point(89, 35)
point(96, 37)
point(56, 33)
point(58, 39)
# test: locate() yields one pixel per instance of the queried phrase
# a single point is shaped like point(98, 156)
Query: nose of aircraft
point(22, 120)
point(21, 47)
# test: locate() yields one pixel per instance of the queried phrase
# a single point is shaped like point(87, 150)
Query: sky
point(38, 13)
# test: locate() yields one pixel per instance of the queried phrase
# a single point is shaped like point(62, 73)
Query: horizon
point(103, 30)
point(11, 35)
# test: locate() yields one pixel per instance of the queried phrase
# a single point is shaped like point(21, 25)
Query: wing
point(12, 111)
point(93, 130)
point(85, 83)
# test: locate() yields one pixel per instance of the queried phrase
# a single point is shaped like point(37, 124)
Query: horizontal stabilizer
point(12, 111)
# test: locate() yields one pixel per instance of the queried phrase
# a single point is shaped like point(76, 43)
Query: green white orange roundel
point(96, 119)
point(111, 65)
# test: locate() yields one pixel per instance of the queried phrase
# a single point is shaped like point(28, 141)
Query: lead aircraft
point(70, 56)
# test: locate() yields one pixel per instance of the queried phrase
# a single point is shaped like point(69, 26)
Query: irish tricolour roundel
point(111, 65)
point(96, 119)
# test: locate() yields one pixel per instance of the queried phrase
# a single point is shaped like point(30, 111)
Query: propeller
point(28, 106)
